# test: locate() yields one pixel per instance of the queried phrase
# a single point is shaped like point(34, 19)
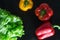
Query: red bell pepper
point(44, 31)
point(43, 12)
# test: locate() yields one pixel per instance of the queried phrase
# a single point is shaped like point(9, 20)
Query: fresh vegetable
point(10, 26)
point(25, 5)
point(44, 31)
point(43, 12)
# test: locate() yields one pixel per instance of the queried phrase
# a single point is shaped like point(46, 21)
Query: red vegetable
point(44, 12)
point(44, 31)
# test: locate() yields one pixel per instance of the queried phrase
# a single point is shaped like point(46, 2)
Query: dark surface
point(31, 22)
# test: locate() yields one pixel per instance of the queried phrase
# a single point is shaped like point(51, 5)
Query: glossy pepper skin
point(43, 12)
point(25, 5)
point(44, 31)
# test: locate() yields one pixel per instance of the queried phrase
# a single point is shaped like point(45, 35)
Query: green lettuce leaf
point(11, 26)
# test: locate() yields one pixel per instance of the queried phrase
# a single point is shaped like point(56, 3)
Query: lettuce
point(11, 26)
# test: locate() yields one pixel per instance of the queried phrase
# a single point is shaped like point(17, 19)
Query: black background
point(31, 22)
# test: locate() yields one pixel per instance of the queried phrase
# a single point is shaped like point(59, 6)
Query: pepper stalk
point(56, 26)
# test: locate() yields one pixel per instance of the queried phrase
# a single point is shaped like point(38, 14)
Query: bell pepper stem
point(42, 12)
point(56, 26)
point(26, 2)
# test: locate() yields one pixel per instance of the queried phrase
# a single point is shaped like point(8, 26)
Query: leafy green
point(11, 26)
